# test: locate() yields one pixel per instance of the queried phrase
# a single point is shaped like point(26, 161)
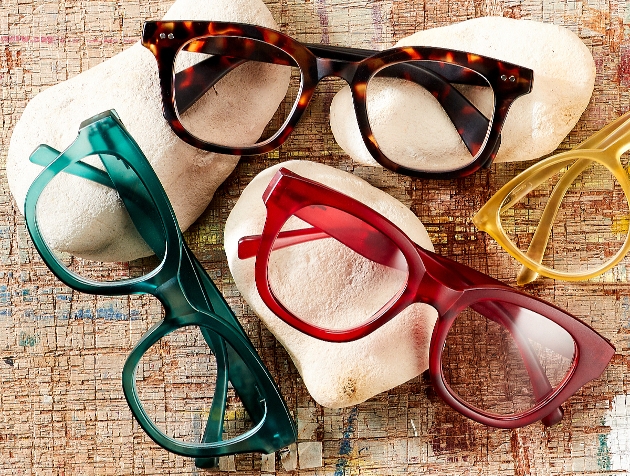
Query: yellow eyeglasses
point(567, 216)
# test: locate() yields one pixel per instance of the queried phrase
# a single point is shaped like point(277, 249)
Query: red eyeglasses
point(497, 355)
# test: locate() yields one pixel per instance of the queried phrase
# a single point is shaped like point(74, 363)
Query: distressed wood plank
point(61, 353)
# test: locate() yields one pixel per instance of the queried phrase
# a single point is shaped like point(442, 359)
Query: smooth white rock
point(564, 76)
point(336, 374)
point(87, 219)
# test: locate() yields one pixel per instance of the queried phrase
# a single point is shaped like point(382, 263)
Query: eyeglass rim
point(277, 214)
point(163, 39)
point(269, 434)
point(488, 218)
point(283, 200)
point(107, 128)
point(592, 354)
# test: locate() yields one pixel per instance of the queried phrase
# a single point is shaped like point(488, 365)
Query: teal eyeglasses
point(196, 364)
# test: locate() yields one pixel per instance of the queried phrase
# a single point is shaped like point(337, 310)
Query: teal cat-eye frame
point(179, 282)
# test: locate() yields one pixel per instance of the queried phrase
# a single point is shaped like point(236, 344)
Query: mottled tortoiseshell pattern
point(247, 42)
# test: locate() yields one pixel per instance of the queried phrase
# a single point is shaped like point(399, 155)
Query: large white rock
point(336, 374)
point(564, 75)
point(87, 219)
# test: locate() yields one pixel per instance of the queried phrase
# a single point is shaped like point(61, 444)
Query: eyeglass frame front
point(508, 81)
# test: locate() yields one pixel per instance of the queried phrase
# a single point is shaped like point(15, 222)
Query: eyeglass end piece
point(43, 155)
point(495, 149)
point(103, 115)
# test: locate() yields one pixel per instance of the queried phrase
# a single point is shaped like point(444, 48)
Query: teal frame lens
point(179, 282)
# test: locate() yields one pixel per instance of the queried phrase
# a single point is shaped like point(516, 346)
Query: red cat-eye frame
point(446, 285)
point(356, 66)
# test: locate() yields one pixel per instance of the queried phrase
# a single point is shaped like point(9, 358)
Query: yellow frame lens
point(604, 147)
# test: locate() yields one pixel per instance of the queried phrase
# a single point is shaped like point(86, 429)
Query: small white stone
point(336, 374)
point(88, 219)
point(410, 125)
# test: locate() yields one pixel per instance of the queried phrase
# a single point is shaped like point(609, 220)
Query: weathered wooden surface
point(61, 353)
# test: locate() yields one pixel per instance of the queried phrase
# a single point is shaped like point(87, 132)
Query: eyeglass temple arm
point(380, 249)
point(239, 374)
point(203, 294)
point(354, 234)
point(450, 72)
point(241, 377)
point(248, 245)
point(538, 245)
point(193, 82)
point(214, 426)
point(607, 136)
point(43, 156)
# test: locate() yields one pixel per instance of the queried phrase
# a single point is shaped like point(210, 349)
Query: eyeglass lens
point(326, 283)
point(60, 193)
point(408, 112)
point(591, 222)
point(207, 72)
point(176, 381)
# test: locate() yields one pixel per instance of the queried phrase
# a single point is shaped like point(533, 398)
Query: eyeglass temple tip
point(525, 276)
point(554, 417)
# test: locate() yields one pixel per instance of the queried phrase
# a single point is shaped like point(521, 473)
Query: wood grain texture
point(62, 410)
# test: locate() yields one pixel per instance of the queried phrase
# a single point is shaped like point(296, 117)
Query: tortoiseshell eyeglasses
point(202, 63)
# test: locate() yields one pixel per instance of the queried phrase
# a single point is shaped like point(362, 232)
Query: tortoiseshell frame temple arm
point(507, 80)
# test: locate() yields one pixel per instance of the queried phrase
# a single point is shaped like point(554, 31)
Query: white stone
point(87, 219)
point(336, 374)
point(564, 76)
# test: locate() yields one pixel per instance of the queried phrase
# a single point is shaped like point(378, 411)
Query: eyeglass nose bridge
point(433, 291)
point(173, 299)
point(336, 68)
